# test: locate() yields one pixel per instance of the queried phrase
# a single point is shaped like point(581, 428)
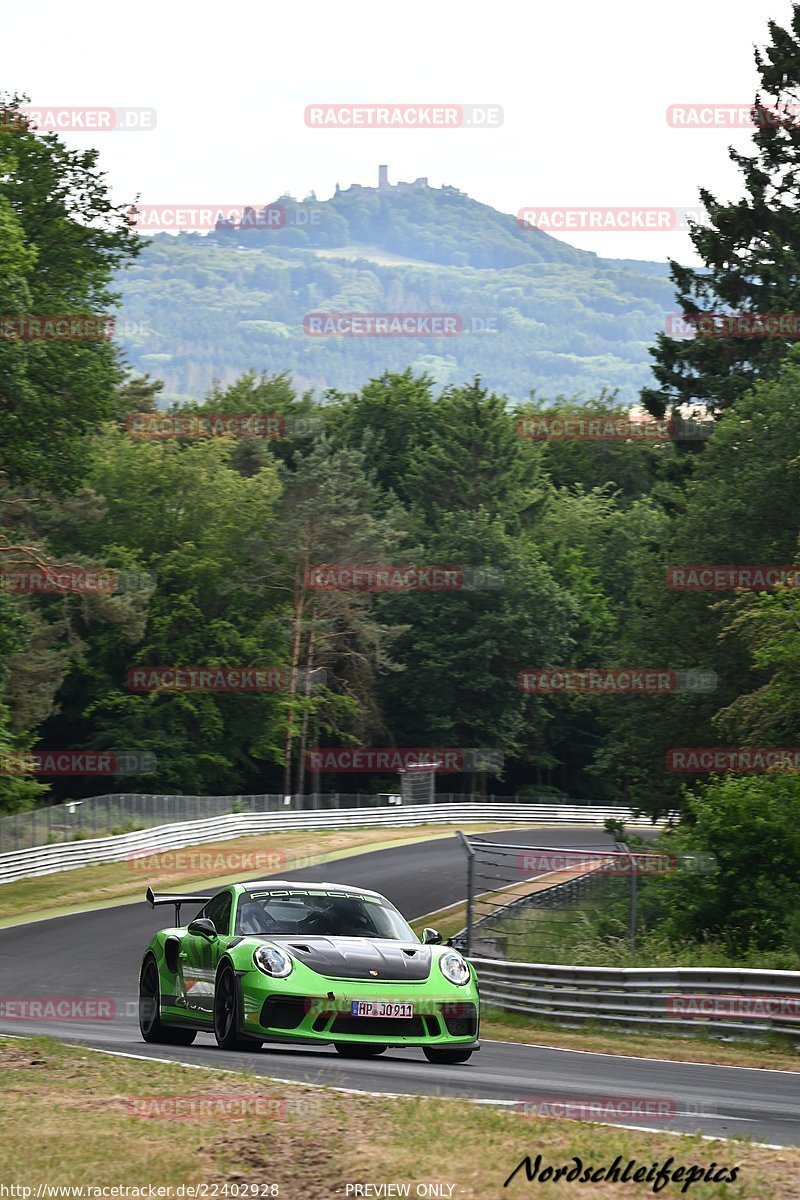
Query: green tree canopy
point(748, 248)
point(61, 242)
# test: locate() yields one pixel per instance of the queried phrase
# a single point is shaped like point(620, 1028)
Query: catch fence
point(101, 816)
point(539, 903)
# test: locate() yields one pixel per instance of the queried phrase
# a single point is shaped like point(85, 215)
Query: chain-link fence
point(98, 816)
point(542, 904)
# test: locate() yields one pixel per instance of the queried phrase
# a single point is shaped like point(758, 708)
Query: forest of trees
point(578, 536)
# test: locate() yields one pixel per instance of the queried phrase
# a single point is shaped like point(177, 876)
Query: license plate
point(381, 1008)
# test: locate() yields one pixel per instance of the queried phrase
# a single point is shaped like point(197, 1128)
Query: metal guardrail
point(64, 856)
point(677, 998)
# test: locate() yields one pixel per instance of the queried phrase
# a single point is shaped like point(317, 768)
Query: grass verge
point(105, 1121)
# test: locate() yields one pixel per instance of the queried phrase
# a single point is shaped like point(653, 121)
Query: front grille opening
point(379, 1026)
point(283, 1012)
point(461, 1019)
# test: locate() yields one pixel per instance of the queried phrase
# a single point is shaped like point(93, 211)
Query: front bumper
point(277, 1010)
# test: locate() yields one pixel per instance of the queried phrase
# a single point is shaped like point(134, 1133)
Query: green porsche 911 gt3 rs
point(309, 963)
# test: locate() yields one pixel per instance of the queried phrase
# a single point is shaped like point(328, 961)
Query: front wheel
point(226, 1013)
point(446, 1056)
point(150, 1024)
point(354, 1050)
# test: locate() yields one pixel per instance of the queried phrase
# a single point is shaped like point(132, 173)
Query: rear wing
point(172, 898)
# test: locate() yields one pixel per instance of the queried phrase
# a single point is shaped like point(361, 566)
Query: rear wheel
point(226, 1013)
point(446, 1056)
point(354, 1050)
point(150, 1023)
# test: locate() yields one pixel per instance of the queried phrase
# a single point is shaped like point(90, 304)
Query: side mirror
point(431, 937)
point(203, 926)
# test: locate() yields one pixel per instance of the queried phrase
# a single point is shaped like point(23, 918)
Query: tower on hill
point(385, 186)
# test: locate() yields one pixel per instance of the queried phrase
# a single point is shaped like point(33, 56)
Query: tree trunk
point(298, 627)
point(301, 762)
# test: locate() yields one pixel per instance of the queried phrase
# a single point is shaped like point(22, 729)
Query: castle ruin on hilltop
point(384, 186)
point(270, 216)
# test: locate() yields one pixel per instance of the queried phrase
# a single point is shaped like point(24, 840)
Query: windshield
point(322, 914)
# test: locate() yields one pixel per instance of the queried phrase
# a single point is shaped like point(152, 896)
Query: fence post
point(632, 911)
point(470, 889)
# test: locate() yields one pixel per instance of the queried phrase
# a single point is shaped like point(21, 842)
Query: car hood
point(361, 958)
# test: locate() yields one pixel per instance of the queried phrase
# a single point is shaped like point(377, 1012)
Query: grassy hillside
point(536, 313)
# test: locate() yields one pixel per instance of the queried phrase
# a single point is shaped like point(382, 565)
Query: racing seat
point(252, 918)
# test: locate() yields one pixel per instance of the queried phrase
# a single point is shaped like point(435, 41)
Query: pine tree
point(750, 250)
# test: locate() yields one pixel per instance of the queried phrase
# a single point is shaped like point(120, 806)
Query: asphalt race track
point(99, 953)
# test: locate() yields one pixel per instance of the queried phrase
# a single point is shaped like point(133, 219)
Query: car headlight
point(273, 961)
point(454, 969)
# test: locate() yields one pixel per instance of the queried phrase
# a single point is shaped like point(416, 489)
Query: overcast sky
point(584, 89)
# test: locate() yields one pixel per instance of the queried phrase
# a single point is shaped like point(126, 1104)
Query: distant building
point(250, 217)
point(384, 185)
